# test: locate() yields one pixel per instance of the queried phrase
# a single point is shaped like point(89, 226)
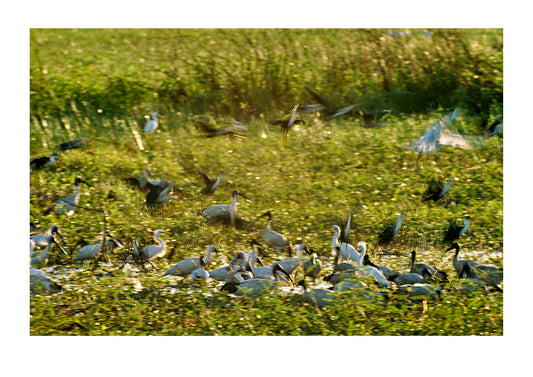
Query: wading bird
point(455, 231)
point(458, 264)
point(90, 251)
point(257, 286)
point(245, 258)
point(41, 283)
point(225, 214)
point(151, 125)
point(321, 103)
point(76, 143)
point(200, 272)
point(68, 204)
point(209, 185)
point(287, 122)
point(389, 231)
point(436, 190)
point(319, 297)
point(152, 251)
point(40, 162)
point(347, 251)
point(437, 135)
point(159, 194)
point(209, 130)
point(187, 266)
point(272, 239)
point(419, 292)
point(422, 268)
point(44, 241)
point(386, 271)
point(468, 283)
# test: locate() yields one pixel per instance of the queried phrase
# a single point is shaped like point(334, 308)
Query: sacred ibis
point(68, 204)
point(187, 266)
point(225, 214)
point(40, 162)
point(455, 230)
point(273, 239)
point(41, 283)
point(210, 186)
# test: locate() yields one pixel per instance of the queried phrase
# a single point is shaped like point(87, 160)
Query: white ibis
point(40, 162)
point(187, 266)
point(152, 124)
point(386, 271)
point(455, 231)
point(245, 258)
point(200, 272)
point(210, 186)
point(44, 241)
point(273, 239)
point(41, 283)
point(257, 286)
point(225, 214)
point(68, 204)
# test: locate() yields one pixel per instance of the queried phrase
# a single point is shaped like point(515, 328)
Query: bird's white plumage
point(187, 266)
point(347, 251)
point(151, 125)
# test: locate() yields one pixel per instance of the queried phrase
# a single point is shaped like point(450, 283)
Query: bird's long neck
point(465, 227)
point(208, 256)
point(361, 255)
point(160, 241)
point(233, 209)
point(335, 241)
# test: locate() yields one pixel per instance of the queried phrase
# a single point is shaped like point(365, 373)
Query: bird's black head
point(455, 246)
point(78, 180)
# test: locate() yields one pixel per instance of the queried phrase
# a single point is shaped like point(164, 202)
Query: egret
point(273, 239)
point(151, 125)
point(187, 266)
point(153, 251)
point(458, 264)
point(347, 251)
point(225, 214)
point(41, 283)
point(40, 162)
point(210, 186)
point(436, 190)
point(76, 143)
point(388, 233)
point(287, 122)
point(436, 135)
point(455, 231)
point(325, 105)
point(68, 204)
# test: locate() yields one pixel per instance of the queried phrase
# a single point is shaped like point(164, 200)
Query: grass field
point(103, 83)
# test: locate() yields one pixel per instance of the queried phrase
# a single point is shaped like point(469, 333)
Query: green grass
point(327, 170)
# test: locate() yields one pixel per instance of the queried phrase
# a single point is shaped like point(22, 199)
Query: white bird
point(200, 272)
point(273, 239)
point(489, 274)
point(154, 251)
point(319, 297)
point(226, 274)
point(91, 251)
point(151, 125)
point(41, 283)
point(311, 265)
point(347, 251)
point(257, 286)
point(225, 214)
point(245, 258)
point(374, 273)
point(263, 272)
point(40, 162)
point(437, 135)
point(187, 266)
point(458, 264)
point(68, 204)
point(44, 241)
point(386, 271)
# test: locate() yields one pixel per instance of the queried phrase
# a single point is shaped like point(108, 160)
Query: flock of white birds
point(246, 275)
